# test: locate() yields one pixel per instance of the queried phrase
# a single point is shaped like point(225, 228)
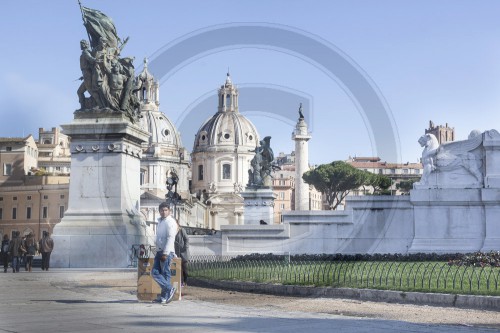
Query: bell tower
point(442, 133)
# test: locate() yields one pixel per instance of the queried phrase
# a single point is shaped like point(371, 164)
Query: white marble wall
point(440, 221)
point(371, 225)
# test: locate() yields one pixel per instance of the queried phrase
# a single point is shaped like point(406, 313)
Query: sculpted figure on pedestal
point(87, 63)
point(430, 144)
point(107, 78)
point(451, 157)
point(260, 174)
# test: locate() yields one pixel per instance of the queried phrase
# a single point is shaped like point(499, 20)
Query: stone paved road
point(104, 301)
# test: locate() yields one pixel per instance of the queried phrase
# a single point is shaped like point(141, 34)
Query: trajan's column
point(301, 136)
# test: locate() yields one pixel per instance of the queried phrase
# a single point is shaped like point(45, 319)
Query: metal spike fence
point(402, 276)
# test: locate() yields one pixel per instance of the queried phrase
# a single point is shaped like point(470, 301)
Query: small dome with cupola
point(163, 152)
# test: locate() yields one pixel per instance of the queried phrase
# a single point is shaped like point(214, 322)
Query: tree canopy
point(335, 180)
point(406, 185)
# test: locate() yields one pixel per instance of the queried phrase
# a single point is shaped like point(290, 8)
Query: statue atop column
point(107, 78)
point(260, 174)
point(301, 115)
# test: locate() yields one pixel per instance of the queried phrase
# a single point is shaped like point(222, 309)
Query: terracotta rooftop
point(15, 139)
point(366, 159)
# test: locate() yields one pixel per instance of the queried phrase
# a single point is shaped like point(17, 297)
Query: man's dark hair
point(163, 205)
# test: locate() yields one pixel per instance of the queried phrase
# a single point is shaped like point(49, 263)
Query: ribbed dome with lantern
point(227, 129)
point(223, 148)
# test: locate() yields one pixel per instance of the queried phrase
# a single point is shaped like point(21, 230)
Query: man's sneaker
point(163, 301)
point(170, 295)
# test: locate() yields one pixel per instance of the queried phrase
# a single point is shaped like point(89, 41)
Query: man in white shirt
point(165, 251)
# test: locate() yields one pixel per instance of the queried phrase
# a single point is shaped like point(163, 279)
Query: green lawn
point(436, 277)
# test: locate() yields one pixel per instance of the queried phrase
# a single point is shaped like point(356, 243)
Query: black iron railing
point(403, 276)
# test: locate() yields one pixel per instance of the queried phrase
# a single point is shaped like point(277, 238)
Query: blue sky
point(425, 60)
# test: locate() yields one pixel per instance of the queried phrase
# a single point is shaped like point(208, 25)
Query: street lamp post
point(172, 197)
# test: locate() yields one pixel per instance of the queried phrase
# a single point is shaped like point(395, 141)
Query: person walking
point(46, 245)
point(15, 251)
point(5, 252)
point(22, 255)
point(165, 252)
point(182, 251)
point(31, 248)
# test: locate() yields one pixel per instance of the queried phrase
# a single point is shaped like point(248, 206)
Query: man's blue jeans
point(16, 262)
point(161, 272)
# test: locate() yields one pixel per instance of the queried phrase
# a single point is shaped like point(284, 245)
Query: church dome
point(227, 129)
point(163, 153)
point(161, 129)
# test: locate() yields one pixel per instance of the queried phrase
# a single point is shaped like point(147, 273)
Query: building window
point(14, 198)
point(7, 169)
point(143, 177)
point(58, 168)
point(45, 212)
point(380, 171)
point(393, 171)
point(8, 148)
point(61, 212)
point(282, 195)
point(28, 213)
point(417, 171)
point(282, 206)
point(61, 196)
point(226, 171)
point(28, 197)
point(1, 213)
point(1, 198)
point(45, 197)
point(14, 213)
point(200, 172)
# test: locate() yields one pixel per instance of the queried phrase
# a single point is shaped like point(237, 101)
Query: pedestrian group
point(21, 251)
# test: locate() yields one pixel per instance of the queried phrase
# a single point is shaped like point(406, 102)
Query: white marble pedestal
point(101, 223)
point(448, 220)
point(259, 205)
